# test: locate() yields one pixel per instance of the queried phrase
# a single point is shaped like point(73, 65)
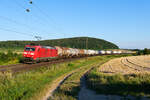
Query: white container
point(119, 52)
point(114, 52)
point(96, 52)
point(108, 52)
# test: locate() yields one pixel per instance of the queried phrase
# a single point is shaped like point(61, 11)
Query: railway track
point(26, 67)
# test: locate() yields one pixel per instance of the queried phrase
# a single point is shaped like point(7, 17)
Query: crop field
point(127, 65)
point(125, 75)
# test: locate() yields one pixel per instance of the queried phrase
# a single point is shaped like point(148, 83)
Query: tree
point(146, 51)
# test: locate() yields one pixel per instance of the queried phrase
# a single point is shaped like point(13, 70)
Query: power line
point(29, 12)
point(13, 21)
point(18, 23)
point(45, 14)
point(39, 19)
point(22, 33)
point(20, 5)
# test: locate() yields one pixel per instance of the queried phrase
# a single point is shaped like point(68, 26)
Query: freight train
point(36, 54)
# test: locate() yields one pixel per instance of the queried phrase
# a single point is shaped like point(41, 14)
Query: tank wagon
point(46, 53)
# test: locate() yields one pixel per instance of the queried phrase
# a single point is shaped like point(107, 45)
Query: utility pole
point(87, 43)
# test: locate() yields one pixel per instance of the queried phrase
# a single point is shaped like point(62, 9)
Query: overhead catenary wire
point(20, 5)
point(31, 15)
point(46, 15)
point(21, 33)
point(27, 10)
point(16, 22)
point(25, 25)
point(10, 30)
point(40, 10)
point(38, 18)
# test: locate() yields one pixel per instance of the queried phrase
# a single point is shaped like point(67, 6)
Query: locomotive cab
point(29, 53)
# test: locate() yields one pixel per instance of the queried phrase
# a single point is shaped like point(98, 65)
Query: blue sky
point(123, 22)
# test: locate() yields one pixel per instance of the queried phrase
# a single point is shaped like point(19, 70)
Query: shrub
point(9, 58)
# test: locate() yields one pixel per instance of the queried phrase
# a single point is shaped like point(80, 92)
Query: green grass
point(24, 86)
point(118, 84)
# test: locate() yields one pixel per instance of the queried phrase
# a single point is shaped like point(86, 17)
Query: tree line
point(144, 51)
point(78, 42)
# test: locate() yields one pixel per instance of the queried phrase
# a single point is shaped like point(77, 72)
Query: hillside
point(77, 42)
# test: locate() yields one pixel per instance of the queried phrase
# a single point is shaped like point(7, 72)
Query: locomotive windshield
point(29, 49)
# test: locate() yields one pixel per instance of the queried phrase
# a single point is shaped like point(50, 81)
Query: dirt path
point(61, 80)
point(57, 83)
point(87, 94)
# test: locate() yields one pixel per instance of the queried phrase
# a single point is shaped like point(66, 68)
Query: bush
point(9, 58)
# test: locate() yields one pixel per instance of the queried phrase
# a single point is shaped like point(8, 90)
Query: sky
point(123, 22)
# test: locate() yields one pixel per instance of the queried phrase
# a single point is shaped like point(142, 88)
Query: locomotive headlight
point(25, 52)
point(32, 53)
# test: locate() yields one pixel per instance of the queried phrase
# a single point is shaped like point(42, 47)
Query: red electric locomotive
point(39, 53)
